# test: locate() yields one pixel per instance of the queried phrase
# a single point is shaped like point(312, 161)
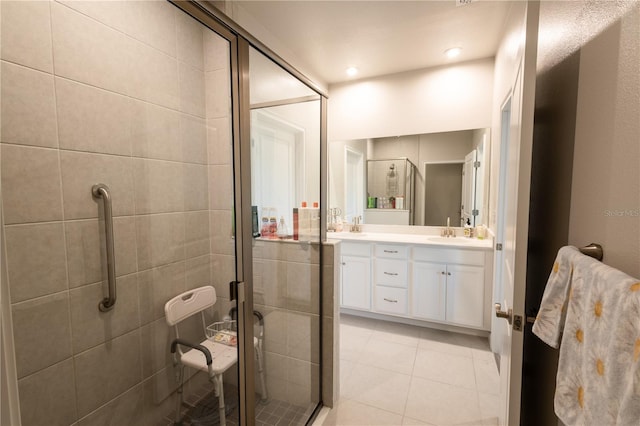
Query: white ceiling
point(379, 37)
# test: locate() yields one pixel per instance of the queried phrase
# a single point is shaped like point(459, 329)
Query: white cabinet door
point(356, 282)
point(429, 290)
point(465, 295)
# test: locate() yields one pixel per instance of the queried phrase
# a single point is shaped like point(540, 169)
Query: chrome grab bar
point(101, 190)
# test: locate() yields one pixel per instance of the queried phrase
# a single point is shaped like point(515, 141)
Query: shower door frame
point(240, 41)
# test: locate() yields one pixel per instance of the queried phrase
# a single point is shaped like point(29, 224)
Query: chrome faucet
point(448, 231)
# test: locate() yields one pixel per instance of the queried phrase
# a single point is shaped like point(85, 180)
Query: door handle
point(502, 314)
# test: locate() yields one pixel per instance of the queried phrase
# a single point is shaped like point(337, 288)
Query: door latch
point(508, 315)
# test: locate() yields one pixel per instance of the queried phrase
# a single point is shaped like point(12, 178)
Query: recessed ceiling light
point(453, 52)
point(351, 71)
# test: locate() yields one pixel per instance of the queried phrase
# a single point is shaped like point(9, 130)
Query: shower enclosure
point(154, 102)
point(390, 192)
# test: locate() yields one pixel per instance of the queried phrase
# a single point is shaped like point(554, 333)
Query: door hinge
point(475, 212)
point(476, 164)
point(233, 290)
point(498, 246)
point(517, 322)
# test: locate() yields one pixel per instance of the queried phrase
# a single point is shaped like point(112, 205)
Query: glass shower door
point(285, 193)
point(135, 96)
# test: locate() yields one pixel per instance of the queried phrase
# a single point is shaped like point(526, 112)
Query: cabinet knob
point(449, 273)
point(442, 273)
point(343, 263)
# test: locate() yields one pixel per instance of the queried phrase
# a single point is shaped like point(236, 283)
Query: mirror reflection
point(435, 175)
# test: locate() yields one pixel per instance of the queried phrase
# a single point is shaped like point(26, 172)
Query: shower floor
point(201, 409)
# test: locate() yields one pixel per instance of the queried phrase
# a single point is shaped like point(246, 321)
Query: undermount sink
point(452, 240)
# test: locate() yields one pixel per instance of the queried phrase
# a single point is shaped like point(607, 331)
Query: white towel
point(596, 308)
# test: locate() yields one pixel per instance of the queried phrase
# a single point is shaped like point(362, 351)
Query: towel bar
point(593, 250)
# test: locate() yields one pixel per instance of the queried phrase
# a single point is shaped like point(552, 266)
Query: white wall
point(441, 99)
point(605, 192)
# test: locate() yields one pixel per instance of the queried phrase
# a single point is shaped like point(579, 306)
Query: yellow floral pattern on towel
point(593, 311)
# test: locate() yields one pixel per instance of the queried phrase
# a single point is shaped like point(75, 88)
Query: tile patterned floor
point(395, 374)
point(200, 409)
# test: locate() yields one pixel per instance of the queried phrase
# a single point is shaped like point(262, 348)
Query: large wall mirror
point(441, 175)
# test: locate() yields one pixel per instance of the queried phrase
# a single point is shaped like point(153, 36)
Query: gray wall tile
point(197, 238)
point(31, 189)
point(153, 23)
point(198, 272)
point(115, 15)
point(41, 332)
point(156, 132)
point(193, 131)
point(92, 53)
point(104, 372)
point(86, 256)
point(192, 90)
point(35, 260)
point(156, 287)
point(125, 410)
point(190, 40)
point(223, 271)
point(196, 187)
point(219, 141)
point(28, 106)
point(303, 287)
point(154, 76)
point(156, 338)
point(216, 52)
point(221, 228)
point(26, 34)
point(159, 186)
point(91, 327)
point(160, 239)
point(48, 397)
point(92, 119)
point(221, 197)
point(218, 83)
point(80, 171)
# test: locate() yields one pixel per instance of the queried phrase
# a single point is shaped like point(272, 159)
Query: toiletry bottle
point(314, 225)
point(467, 228)
point(296, 224)
point(273, 224)
point(304, 222)
point(265, 230)
point(283, 232)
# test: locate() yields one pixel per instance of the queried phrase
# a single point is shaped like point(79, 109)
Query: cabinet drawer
point(391, 300)
point(460, 256)
point(391, 272)
point(391, 251)
point(356, 249)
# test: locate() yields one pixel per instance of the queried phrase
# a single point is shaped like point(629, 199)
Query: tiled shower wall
point(287, 293)
point(134, 95)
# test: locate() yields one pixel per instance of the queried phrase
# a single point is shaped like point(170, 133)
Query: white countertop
point(433, 240)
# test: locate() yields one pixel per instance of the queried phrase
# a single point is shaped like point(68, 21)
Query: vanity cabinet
point(449, 285)
point(355, 272)
point(419, 282)
point(451, 293)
